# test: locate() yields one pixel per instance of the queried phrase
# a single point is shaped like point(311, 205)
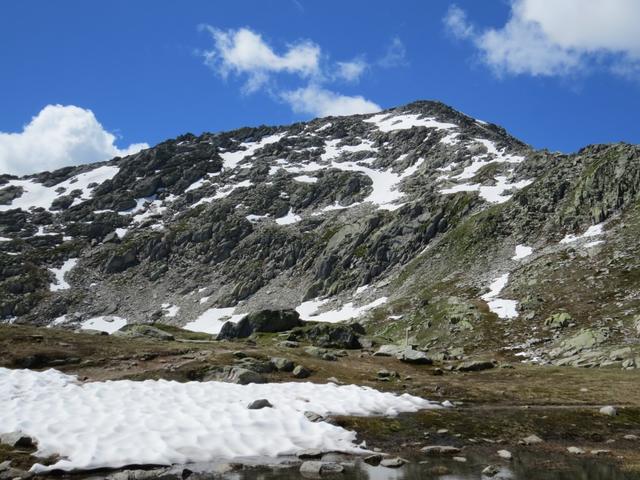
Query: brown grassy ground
point(495, 409)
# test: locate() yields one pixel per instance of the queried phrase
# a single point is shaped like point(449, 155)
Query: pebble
point(505, 454)
point(395, 462)
point(609, 410)
point(575, 450)
point(259, 404)
point(315, 467)
point(490, 471)
point(301, 372)
point(440, 450)
point(374, 459)
point(531, 440)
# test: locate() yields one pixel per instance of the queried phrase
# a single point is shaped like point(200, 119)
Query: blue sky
point(141, 67)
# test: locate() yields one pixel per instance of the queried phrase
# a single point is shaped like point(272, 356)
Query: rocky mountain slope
point(417, 221)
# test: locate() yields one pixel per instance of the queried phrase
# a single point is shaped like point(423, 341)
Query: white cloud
point(244, 53)
point(351, 71)
point(59, 136)
point(395, 55)
point(457, 23)
point(320, 102)
point(557, 37)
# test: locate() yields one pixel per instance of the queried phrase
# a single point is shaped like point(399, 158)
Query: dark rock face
point(120, 262)
point(420, 206)
point(265, 321)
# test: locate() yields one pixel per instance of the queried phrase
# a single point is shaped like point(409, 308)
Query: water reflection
point(524, 467)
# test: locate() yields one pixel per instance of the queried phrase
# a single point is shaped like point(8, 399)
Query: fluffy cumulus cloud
point(557, 37)
point(243, 51)
point(320, 102)
point(59, 136)
point(247, 55)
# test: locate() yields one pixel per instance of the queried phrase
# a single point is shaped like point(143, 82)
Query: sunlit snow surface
point(233, 159)
point(592, 231)
point(312, 310)
point(390, 122)
point(36, 195)
point(107, 323)
point(118, 423)
point(211, 320)
point(522, 251)
point(60, 283)
point(503, 308)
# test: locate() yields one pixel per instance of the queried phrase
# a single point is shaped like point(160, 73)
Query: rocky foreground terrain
point(415, 251)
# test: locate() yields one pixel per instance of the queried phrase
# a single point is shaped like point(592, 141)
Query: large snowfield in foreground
point(118, 423)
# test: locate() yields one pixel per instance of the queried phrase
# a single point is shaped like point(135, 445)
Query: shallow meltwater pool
point(522, 467)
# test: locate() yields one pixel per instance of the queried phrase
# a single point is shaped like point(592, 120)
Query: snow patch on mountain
point(233, 159)
point(211, 320)
point(37, 195)
point(107, 323)
point(311, 310)
point(390, 122)
point(505, 309)
point(60, 283)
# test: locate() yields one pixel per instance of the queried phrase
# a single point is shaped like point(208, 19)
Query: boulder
point(475, 366)
point(395, 462)
point(330, 335)
point(576, 450)
point(609, 411)
point(256, 365)
point(316, 467)
point(586, 339)
point(260, 404)
point(159, 474)
point(142, 331)
point(436, 450)
point(373, 459)
point(301, 372)
point(559, 320)
point(264, 321)
point(389, 351)
point(531, 440)
point(239, 375)
point(505, 454)
point(17, 440)
point(491, 471)
point(282, 364)
point(415, 357)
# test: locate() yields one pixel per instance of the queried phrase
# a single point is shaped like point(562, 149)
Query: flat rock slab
point(317, 468)
point(415, 357)
point(435, 450)
point(395, 462)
